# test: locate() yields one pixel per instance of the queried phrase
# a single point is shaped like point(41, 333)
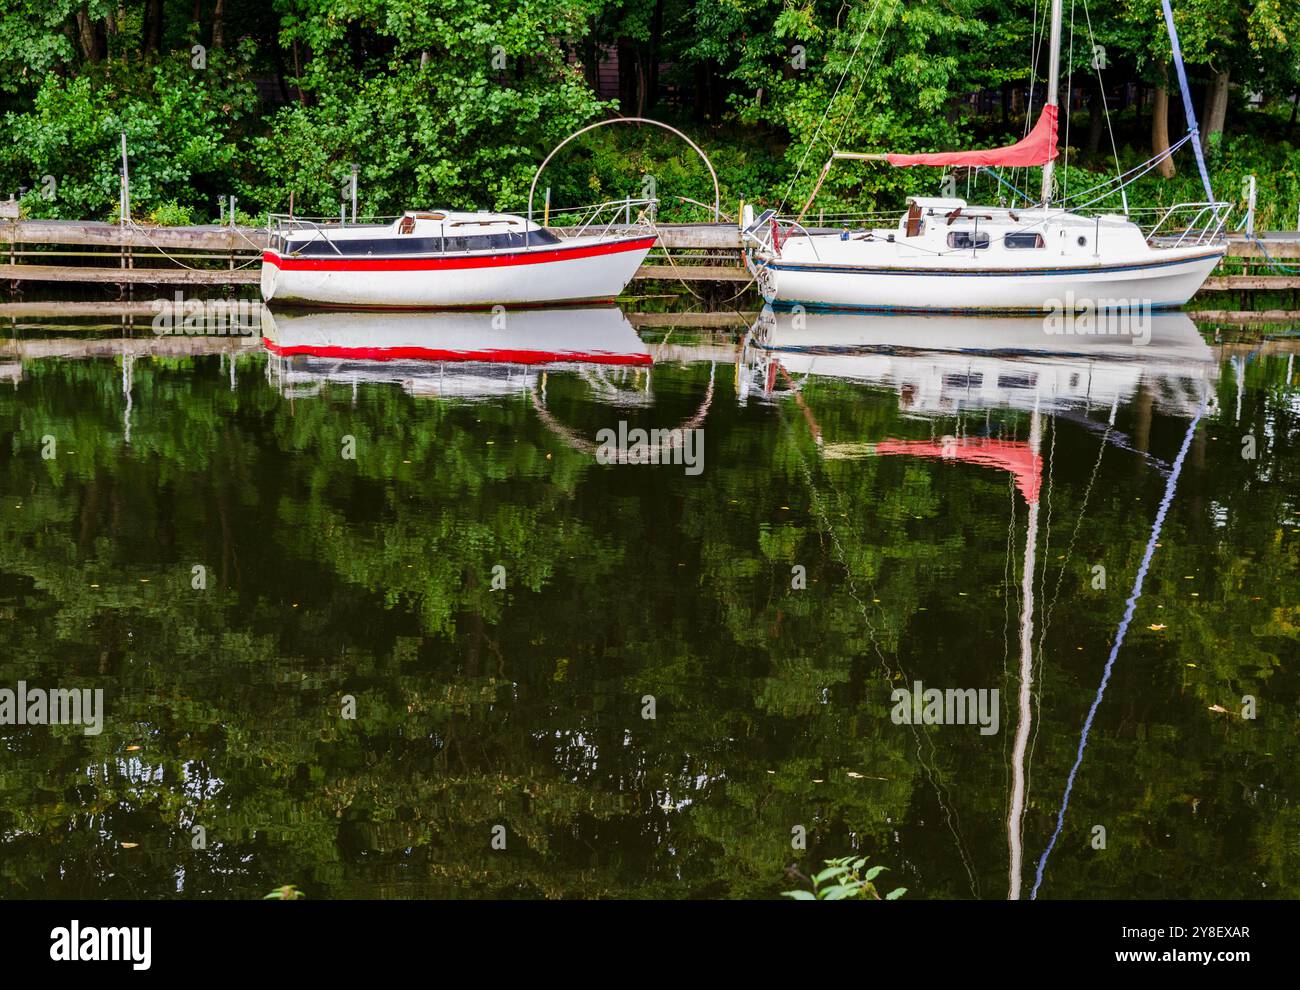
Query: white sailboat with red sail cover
point(948, 255)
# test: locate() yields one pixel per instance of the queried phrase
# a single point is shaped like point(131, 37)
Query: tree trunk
point(1215, 113)
point(1160, 129)
point(1096, 120)
point(218, 25)
point(652, 56)
point(88, 37)
point(151, 31)
point(297, 75)
point(628, 77)
point(591, 64)
point(701, 92)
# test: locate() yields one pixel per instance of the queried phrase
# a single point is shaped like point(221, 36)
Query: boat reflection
point(943, 367)
point(946, 364)
point(468, 355)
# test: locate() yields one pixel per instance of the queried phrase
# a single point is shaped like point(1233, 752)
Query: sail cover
point(1036, 148)
point(1017, 457)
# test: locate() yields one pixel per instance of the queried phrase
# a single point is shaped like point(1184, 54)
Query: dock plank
point(695, 273)
point(1230, 283)
point(210, 237)
point(132, 276)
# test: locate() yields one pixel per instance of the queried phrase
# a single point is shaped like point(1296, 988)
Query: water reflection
point(465, 355)
point(946, 487)
point(947, 364)
point(947, 367)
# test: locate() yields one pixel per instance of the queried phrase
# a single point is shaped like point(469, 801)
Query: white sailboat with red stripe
point(575, 335)
point(461, 354)
point(436, 259)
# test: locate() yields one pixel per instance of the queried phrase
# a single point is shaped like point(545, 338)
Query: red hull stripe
point(536, 256)
point(495, 356)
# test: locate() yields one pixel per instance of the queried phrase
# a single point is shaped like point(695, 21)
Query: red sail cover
point(1006, 455)
point(1037, 148)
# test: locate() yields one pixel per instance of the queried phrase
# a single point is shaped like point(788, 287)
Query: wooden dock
point(109, 254)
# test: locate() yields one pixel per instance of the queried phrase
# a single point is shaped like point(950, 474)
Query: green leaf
point(798, 895)
point(829, 873)
point(895, 894)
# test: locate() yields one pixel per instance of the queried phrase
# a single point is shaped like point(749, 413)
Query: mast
point(1019, 778)
point(1053, 76)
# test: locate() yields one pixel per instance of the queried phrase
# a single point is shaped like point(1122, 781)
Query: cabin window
point(960, 239)
point(1022, 242)
point(1017, 381)
point(498, 242)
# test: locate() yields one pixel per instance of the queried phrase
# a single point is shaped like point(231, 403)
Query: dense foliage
point(455, 102)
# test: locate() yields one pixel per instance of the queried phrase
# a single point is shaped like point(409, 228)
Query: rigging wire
point(831, 102)
point(1130, 607)
point(1036, 34)
point(1056, 591)
point(866, 72)
point(941, 792)
point(1105, 105)
point(1069, 105)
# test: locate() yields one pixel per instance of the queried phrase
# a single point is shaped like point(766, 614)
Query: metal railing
point(611, 213)
point(280, 226)
point(1205, 226)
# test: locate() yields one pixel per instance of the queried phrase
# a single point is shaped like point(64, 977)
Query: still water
point(572, 677)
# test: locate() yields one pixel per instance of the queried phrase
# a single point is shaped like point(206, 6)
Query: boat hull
point(464, 355)
point(589, 335)
point(941, 363)
point(574, 271)
point(1167, 279)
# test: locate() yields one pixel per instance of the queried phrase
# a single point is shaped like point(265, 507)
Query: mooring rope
point(177, 261)
point(1273, 262)
point(1131, 606)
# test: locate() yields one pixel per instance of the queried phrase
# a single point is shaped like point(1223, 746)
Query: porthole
point(1083, 241)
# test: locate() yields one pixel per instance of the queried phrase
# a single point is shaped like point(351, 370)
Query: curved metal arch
point(717, 197)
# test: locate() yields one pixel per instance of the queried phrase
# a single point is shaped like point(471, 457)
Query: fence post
point(124, 204)
point(1250, 206)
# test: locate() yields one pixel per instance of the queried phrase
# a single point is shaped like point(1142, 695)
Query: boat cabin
point(421, 232)
point(941, 225)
